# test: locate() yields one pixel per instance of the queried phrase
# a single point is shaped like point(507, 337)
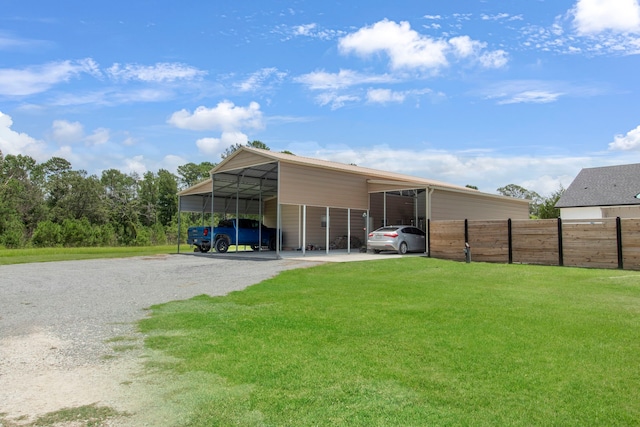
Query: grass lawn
point(409, 342)
point(21, 256)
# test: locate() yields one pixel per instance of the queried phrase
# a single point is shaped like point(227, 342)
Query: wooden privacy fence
point(598, 243)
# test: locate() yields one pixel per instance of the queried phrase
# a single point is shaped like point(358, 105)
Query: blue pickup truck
point(224, 235)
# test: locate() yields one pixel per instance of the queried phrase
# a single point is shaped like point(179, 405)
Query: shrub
point(158, 235)
point(47, 234)
point(12, 235)
point(76, 232)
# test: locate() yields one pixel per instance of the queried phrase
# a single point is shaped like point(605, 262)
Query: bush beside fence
point(598, 243)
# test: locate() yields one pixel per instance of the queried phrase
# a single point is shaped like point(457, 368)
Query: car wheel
point(403, 248)
point(222, 246)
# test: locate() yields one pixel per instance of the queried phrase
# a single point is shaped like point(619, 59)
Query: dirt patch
point(35, 381)
point(68, 337)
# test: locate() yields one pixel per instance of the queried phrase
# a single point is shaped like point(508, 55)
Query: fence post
point(510, 241)
point(560, 255)
point(466, 231)
point(619, 242)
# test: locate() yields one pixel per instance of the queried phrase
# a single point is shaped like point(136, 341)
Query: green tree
point(233, 148)
point(473, 187)
point(122, 203)
point(514, 190)
point(258, 144)
point(148, 199)
point(21, 200)
point(74, 195)
point(167, 196)
point(50, 169)
point(190, 174)
point(547, 209)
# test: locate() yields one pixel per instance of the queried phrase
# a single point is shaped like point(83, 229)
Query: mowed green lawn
point(23, 256)
point(409, 342)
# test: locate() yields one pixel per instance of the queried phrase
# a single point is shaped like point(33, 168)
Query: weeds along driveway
point(60, 321)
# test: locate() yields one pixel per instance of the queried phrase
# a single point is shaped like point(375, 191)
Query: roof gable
point(267, 156)
point(603, 186)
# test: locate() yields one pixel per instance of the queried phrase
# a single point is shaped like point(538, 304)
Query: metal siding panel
point(302, 185)
point(291, 227)
point(450, 205)
point(243, 160)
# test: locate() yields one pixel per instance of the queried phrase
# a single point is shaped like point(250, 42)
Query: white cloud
point(404, 46)
point(135, 164)
point(532, 97)
point(532, 91)
point(161, 72)
point(215, 146)
point(628, 142)
point(464, 46)
point(321, 80)
point(65, 132)
point(225, 116)
point(496, 17)
point(32, 80)
point(335, 100)
point(12, 142)
point(304, 30)
point(596, 16)
point(311, 30)
point(407, 49)
point(9, 42)
point(98, 137)
point(383, 96)
point(493, 59)
point(261, 78)
point(171, 162)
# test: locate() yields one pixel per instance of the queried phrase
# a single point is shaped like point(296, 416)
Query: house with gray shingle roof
point(603, 192)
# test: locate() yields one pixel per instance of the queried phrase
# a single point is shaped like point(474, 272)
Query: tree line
point(51, 204)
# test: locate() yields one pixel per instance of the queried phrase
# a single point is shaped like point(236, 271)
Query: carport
point(318, 205)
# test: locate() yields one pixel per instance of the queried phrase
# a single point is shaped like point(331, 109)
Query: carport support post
point(179, 215)
point(260, 219)
point(327, 232)
point(349, 230)
point(384, 205)
point(304, 230)
point(237, 211)
point(211, 242)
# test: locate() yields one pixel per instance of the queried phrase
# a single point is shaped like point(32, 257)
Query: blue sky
point(486, 93)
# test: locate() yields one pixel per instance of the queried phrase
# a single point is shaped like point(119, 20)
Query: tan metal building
point(318, 204)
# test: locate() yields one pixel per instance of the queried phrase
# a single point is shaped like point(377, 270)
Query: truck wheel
point(205, 249)
point(255, 247)
point(222, 246)
point(196, 249)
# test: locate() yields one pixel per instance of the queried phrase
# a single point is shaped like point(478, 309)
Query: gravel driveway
point(61, 321)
